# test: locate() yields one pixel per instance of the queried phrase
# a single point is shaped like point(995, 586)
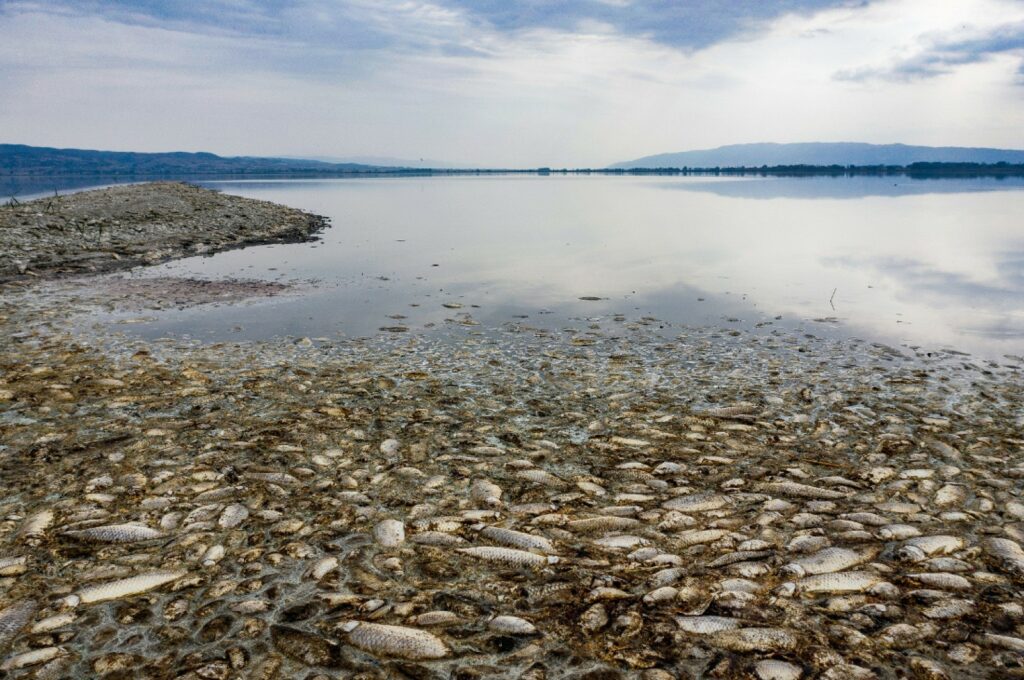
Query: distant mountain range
point(18, 159)
point(823, 153)
point(384, 161)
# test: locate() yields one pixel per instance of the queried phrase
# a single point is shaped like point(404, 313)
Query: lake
point(937, 264)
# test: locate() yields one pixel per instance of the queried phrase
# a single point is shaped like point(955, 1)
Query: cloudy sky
point(505, 82)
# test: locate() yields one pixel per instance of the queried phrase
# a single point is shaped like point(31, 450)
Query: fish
point(116, 533)
point(15, 617)
point(233, 516)
point(1006, 553)
point(513, 625)
point(602, 524)
point(36, 525)
point(133, 585)
point(701, 502)
point(518, 539)
point(509, 556)
point(842, 582)
point(395, 641)
point(754, 640)
point(826, 561)
point(32, 658)
point(797, 490)
point(486, 492)
point(13, 566)
point(389, 533)
point(706, 625)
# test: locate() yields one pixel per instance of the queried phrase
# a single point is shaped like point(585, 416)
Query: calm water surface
point(931, 263)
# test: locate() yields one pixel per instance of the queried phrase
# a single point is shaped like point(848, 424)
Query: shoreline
point(87, 232)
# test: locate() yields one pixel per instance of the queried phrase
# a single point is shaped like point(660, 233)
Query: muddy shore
point(512, 503)
point(121, 227)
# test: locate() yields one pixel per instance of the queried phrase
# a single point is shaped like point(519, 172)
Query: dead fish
point(134, 585)
point(32, 658)
point(437, 618)
point(620, 542)
point(898, 532)
point(324, 566)
point(754, 640)
point(436, 538)
point(727, 412)
point(942, 580)
point(517, 539)
point(949, 609)
point(705, 625)
point(842, 582)
point(53, 623)
point(1008, 554)
point(36, 525)
point(116, 533)
point(213, 555)
point(395, 641)
point(826, 561)
point(701, 502)
point(233, 516)
point(796, 490)
point(602, 524)
point(487, 492)
point(13, 566)
point(14, 618)
point(508, 556)
point(920, 547)
point(697, 537)
point(541, 477)
point(513, 625)
point(775, 669)
point(390, 533)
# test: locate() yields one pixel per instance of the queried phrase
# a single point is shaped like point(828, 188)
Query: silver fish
point(395, 641)
point(701, 502)
point(233, 516)
point(508, 556)
point(754, 640)
point(826, 561)
point(796, 490)
point(14, 618)
point(116, 533)
point(518, 539)
point(133, 585)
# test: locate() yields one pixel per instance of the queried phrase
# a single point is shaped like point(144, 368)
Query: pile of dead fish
point(522, 508)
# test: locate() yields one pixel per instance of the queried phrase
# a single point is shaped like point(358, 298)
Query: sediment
point(139, 224)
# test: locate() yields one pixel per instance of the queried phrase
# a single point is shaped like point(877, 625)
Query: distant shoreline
point(912, 170)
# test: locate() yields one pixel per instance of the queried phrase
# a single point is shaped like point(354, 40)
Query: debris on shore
point(137, 224)
point(502, 504)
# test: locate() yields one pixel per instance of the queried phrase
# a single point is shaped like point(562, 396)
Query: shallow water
point(932, 263)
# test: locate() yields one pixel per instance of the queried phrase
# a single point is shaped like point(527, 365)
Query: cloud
point(482, 82)
point(944, 53)
point(353, 23)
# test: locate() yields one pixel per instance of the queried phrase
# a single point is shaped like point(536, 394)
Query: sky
point(506, 83)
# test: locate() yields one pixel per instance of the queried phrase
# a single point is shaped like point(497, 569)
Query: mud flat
point(516, 503)
point(125, 226)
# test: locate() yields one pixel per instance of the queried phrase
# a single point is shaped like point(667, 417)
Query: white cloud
point(435, 83)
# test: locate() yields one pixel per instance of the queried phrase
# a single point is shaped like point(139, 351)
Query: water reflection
point(934, 268)
point(846, 187)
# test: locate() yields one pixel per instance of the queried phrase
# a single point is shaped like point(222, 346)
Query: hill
point(821, 154)
point(19, 159)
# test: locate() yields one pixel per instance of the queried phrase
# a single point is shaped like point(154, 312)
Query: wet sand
point(514, 503)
